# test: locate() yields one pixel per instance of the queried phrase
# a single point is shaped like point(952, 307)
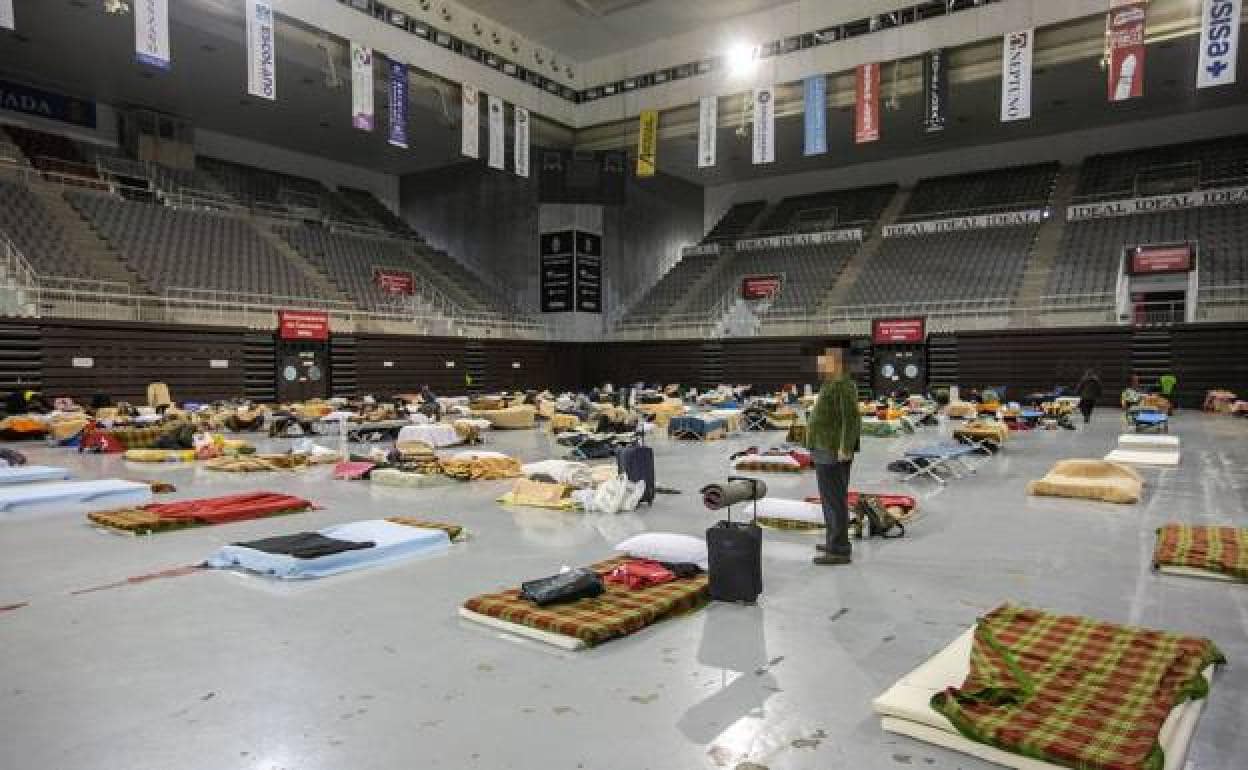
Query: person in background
point(832, 435)
point(429, 403)
point(1131, 396)
point(1089, 390)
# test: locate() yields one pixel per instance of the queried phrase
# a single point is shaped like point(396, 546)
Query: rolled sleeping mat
point(722, 495)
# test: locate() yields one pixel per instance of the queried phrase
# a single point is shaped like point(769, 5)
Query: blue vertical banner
point(398, 104)
point(816, 88)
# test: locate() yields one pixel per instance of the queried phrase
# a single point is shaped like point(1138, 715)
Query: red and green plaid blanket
point(1074, 691)
point(1217, 549)
point(619, 611)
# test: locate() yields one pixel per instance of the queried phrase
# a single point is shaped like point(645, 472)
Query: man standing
point(832, 435)
point(1089, 390)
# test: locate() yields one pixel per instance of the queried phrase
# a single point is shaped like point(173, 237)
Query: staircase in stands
point(329, 290)
point(1151, 354)
point(727, 252)
point(105, 263)
point(870, 247)
point(1044, 250)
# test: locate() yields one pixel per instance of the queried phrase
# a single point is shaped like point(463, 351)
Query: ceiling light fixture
point(741, 59)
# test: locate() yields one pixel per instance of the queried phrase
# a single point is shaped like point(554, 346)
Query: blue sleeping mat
point(24, 474)
point(105, 492)
point(394, 542)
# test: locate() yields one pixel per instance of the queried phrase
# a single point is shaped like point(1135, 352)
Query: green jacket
point(1167, 383)
point(835, 425)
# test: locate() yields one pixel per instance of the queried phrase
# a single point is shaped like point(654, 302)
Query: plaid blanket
point(1217, 549)
point(207, 511)
point(762, 466)
point(1074, 691)
point(619, 611)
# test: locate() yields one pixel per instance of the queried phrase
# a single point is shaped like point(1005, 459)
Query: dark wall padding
point(1210, 357)
point(129, 356)
point(415, 361)
point(1033, 360)
point(677, 361)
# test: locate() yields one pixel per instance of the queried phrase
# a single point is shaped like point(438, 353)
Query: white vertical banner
point(151, 32)
point(470, 121)
point(521, 159)
point(1219, 42)
point(261, 50)
point(1016, 55)
point(764, 125)
point(361, 87)
point(6, 15)
point(708, 119)
point(498, 150)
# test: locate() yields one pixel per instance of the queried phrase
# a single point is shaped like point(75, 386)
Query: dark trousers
point(833, 480)
point(1086, 405)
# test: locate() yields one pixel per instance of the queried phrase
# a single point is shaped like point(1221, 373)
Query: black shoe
point(831, 559)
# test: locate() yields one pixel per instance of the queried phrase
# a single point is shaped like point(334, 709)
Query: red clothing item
point(217, 510)
point(905, 502)
point(640, 573)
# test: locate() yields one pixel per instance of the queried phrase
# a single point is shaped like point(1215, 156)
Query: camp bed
point(939, 460)
point(619, 611)
point(25, 474)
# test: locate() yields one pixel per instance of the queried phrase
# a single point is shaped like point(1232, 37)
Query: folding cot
point(1142, 420)
point(933, 460)
point(697, 428)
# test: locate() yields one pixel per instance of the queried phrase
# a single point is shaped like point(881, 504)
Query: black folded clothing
point(306, 545)
point(565, 587)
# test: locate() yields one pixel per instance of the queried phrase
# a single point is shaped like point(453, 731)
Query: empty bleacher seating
point(827, 211)
point(37, 234)
point(1159, 170)
point(252, 186)
point(946, 267)
point(734, 223)
point(671, 287)
point(172, 248)
point(984, 192)
point(368, 206)
point(349, 260)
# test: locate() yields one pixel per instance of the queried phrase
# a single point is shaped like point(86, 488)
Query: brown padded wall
point(1210, 357)
point(769, 363)
point(665, 362)
point(417, 361)
point(1033, 360)
point(129, 356)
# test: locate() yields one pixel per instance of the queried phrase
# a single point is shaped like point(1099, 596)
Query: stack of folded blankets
point(475, 466)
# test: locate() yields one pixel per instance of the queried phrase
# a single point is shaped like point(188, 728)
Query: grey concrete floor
point(374, 670)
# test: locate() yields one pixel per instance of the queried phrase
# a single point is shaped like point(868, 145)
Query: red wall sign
point(898, 331)
point(760, 286)
point(303, 325)
point(395, 281)
point(1126, 49)
point(1146, 260)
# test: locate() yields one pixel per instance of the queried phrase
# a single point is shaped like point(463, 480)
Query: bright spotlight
point(741, 59)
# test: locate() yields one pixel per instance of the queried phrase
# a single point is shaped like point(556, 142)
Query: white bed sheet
point(905, 709)
point(1143, 457)
point(1195, 572)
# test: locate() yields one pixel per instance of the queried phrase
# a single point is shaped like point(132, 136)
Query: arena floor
point(374, 669)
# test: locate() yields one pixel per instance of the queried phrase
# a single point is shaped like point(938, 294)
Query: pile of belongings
point(177, 434)
point(478, 465)
point(785, 458)
point(595, 446)
point(159, 517)
point(575, 474)
point(989, 434)
point(539, 494)
point(245, 419)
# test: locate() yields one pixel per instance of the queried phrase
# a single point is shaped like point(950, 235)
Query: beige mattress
point(905, 709)
point(1090, 480)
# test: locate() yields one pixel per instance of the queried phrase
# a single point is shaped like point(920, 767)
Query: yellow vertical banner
point(647, 143)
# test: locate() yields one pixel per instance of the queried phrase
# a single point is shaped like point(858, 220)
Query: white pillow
point(666, 547)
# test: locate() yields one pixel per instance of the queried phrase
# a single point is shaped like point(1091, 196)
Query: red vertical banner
point(867, 104)
point(1125, 36)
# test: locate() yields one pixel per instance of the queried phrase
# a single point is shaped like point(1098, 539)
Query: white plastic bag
point(618, 494)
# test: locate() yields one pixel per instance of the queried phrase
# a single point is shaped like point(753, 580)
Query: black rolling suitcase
point(637, 463)
point(735, 553)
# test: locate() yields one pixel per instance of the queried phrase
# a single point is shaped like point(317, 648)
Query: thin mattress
point(905, 709)
point(1143, 457)
point(394, 542)
point(74, 493)
point(437, 435)
point(576, 625)
point(1207, 552)
point(24, 474)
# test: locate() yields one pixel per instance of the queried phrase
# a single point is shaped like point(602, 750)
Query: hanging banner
point(394, 281)
point(46, 104)
point(935, 91)
point(1016, 54)
point(362, 87)
point(1217, 196)
point(558, 271)
point(794, 240)
point(151, 32)
point(521, 153)
point(815, 90)
point(588, 272)
point(708, 118)
point(498, 151)
point(982, 222)
point(261, 50)
point(764, 125)
point(1125, 33)
point(470, 121)
point(867, 104)
point(6, 15)
point(1219, 42)
point(398, 104)
point(647, 143)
